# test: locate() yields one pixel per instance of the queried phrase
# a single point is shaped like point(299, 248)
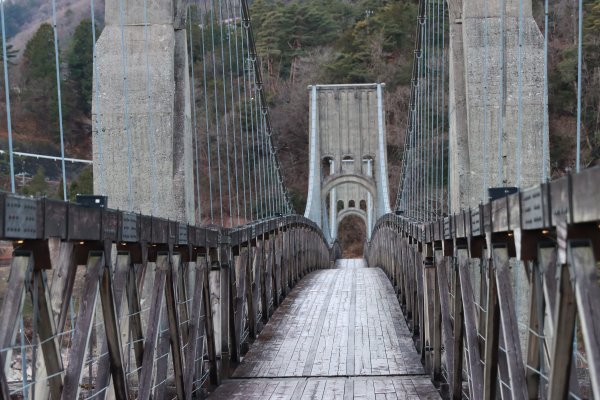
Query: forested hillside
point(300, 43)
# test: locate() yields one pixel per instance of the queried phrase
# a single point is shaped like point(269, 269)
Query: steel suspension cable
point(7, 98)
point(126, 106)
point(439, 175)
point(501, 113)
point(425, 121)
point(225, 118)
point(239, 99)
point(444, 108)
point(96, 91)
point(579, 77)
point(254, 135)
point(233, 111)
point(59, 99)
point(247, 130)
point(216, 101)
point(206, 113)
point(519, 149)
point(198, 213)
point(258, 143)
point(486, 139)
point(545, 133)
point(150, 131)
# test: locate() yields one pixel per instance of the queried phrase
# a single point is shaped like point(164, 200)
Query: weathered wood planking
point(343, 322)
point(328, 388)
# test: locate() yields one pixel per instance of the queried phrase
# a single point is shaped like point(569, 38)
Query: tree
point(38, 185)
point(39, 73)
point(80, 64)
point(11, 53)
point(84, 184)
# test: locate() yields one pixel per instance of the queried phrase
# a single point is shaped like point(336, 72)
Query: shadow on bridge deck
point(339, 334)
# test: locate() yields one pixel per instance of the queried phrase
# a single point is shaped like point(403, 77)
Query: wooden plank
point(492, 329)
point(350, 355)
point(268, 280)
point(4, 389)
point(470, 318)
point(241, 277)
point(111, 294)
point(510, 329)
point(83, 330)
point(180, 279)
point(194, 325)
point(587, 294)
point(153, 329)
point(536, 326)
point(135, 316)
point(171, 303)
point(12, 304)
point(437, 323)
point(53, 365)
point(429, 315)
point(308, 366)
point(276, 273)
point(63, 261)
point(225, 283)
point(562, 344)
point(456, 383)
point(211, 342)
point(252, 292)
point(447, 335)
point(162, 356)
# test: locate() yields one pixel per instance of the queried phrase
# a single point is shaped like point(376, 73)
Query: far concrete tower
point(348, 158)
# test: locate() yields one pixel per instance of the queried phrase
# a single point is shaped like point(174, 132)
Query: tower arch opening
point(351, 234)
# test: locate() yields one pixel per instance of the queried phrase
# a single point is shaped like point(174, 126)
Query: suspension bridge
point(198, 279)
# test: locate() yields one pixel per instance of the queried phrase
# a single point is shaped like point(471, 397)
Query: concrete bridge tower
point(348, 158)
point(142, 136)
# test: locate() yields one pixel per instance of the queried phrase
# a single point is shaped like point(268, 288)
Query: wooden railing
point(504, 299)
point(104, 303)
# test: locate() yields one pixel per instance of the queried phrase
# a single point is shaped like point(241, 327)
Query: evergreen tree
point(11, 53)
point(84, 184)
point(39, 73)
point(38, 185)
point(80, 63)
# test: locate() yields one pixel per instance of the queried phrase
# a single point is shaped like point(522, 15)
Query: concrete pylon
point(348, 156)
point(141, 110)
point(484, 98)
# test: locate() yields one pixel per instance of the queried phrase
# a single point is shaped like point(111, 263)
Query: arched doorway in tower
point(351, 234)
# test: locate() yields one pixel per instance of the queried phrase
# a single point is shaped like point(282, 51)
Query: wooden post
point(587, 294)
point(171, 302)
point(444, 301)
point(492, 324)
point(111, 295)
point(211, 290)
point(153, 329)
point(241, 273)
point(195, 327)
point(470, 320)
point(562, 343)
point(84, 326)
point(536, 326)
point(510, 329)
point(53, 365)
point(456, 383)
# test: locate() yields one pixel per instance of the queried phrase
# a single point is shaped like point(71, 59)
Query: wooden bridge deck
point(338, 335)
